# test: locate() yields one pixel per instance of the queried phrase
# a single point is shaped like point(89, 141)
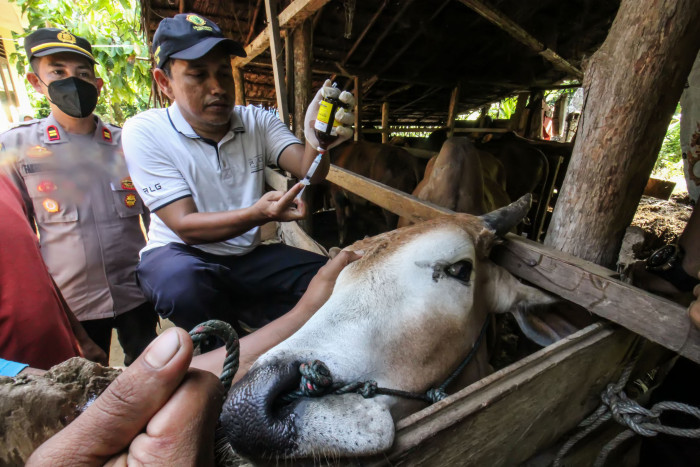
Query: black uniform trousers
point(135, 329)
point(189, 286)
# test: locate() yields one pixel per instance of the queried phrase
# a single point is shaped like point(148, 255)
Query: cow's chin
point(259, 426)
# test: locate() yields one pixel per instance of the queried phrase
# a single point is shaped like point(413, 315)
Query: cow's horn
point(503, 219)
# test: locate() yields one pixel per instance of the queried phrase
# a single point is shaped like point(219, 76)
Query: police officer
point(71, 172)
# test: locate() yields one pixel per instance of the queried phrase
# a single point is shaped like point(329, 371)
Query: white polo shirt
point(168, 161)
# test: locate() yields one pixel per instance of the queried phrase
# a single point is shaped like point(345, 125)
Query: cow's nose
point(257, 422)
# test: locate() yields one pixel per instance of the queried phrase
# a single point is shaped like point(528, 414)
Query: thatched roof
point(417, 51)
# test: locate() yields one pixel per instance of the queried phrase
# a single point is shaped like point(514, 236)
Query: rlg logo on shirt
point(256, 163)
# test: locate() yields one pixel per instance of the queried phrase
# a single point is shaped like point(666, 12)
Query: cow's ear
point(540, 316)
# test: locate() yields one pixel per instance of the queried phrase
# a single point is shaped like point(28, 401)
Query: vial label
point(324, 115)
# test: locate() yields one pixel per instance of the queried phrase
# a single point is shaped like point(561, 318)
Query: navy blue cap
point(188, 36)
point(48, 41)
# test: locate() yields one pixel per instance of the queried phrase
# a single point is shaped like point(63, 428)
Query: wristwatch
point(667, 263)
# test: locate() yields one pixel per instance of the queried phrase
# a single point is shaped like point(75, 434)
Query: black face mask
point(74, 96)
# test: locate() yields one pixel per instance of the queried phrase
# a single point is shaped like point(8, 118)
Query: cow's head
point(404, 315)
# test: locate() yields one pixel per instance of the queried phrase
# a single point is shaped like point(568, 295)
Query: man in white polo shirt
point(199, 167)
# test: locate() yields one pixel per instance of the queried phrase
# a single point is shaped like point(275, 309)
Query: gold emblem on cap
point(196, 20)
point(155, 55)
point(65, 36)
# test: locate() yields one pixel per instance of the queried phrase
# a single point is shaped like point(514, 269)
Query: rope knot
point(368, 389)
point(435, 395)
point(315, 378)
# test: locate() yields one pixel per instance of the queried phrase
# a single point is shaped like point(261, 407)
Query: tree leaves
point(112, 29)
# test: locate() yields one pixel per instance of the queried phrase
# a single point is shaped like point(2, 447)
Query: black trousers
point(189, 286)
point(135, 330)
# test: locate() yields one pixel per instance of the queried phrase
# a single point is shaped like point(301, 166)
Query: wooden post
point(239, 83)
point(631, 94)
point(289, 76)
point(276, 51)
point(560, 114)
point(385, 122)
point(518, 119)
point(452, 112)
point(534, 122)
point(358, 108)
point(301, 45)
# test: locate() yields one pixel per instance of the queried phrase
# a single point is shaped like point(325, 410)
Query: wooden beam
point(593, 287)
point(581, 282)
point(430, 129)
point(303, 59)
point(289, 18)
point(522, 36)
point(387, 30)
point(358, 108)
point(386, 131)
point(452, 111)
point(251, 28)
point(517, 121)
point(181, 6)
point(239, 86)
point(364, 32)
point(277, 68)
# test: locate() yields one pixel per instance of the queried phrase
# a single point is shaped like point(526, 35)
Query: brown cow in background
point(391, 165)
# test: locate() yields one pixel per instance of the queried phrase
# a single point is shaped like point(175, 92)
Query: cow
point(404, 315)
point(470, 179)
point(387, 164)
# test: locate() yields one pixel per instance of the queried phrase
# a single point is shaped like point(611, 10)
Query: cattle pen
point(416, 65)
point(544, 396)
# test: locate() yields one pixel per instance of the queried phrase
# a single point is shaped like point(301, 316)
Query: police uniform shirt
point(168, 161)
point(78, 191)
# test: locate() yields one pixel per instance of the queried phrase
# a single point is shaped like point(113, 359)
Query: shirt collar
point(53, 132)
point(181, 126)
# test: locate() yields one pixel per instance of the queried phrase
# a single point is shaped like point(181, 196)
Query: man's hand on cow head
point(156, 412)
point(283, 207)
point(321, 286)
point(346, 118)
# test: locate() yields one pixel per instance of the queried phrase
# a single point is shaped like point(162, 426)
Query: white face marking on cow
point(404, 315)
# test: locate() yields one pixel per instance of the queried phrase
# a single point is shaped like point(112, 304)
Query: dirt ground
point(116, 354)
point(662, 221)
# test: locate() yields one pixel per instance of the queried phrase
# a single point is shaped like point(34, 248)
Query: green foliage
point(669, 163)
point(112, 29)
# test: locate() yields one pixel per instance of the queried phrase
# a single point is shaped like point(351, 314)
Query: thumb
point(123, 410)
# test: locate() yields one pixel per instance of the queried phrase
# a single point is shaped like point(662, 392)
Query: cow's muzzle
point(256, 422)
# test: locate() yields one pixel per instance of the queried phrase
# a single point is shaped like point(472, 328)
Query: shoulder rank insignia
point(52, 133)
point(127, 184)
point(38, 152)
point(130, 200)
point(50, 205)
point(106, 135)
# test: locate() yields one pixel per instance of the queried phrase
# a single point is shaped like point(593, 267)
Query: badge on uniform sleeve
point(130, 200)
point(107, 135)
point(38, 152)
point(52, 133)
point(51, 205)
point(127, 184)
point(46, 186)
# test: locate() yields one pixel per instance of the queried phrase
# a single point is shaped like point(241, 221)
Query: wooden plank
point(435, 128)
point(302, 75)
point(522, 36)
point(593, 287)
point(277, 181)
point(289, 18)
point(277, 67)
point(505, 418)
point(386, 197)
point(292, 234)
point(581, 282)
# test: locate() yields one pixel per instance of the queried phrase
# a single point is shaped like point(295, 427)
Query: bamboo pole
point(386, 131)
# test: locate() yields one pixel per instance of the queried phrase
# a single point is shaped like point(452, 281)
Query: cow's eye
point(461, 270)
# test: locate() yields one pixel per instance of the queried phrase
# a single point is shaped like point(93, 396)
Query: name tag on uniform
point(256, 163)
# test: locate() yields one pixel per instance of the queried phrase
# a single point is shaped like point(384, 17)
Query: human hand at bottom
point(157, 412)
